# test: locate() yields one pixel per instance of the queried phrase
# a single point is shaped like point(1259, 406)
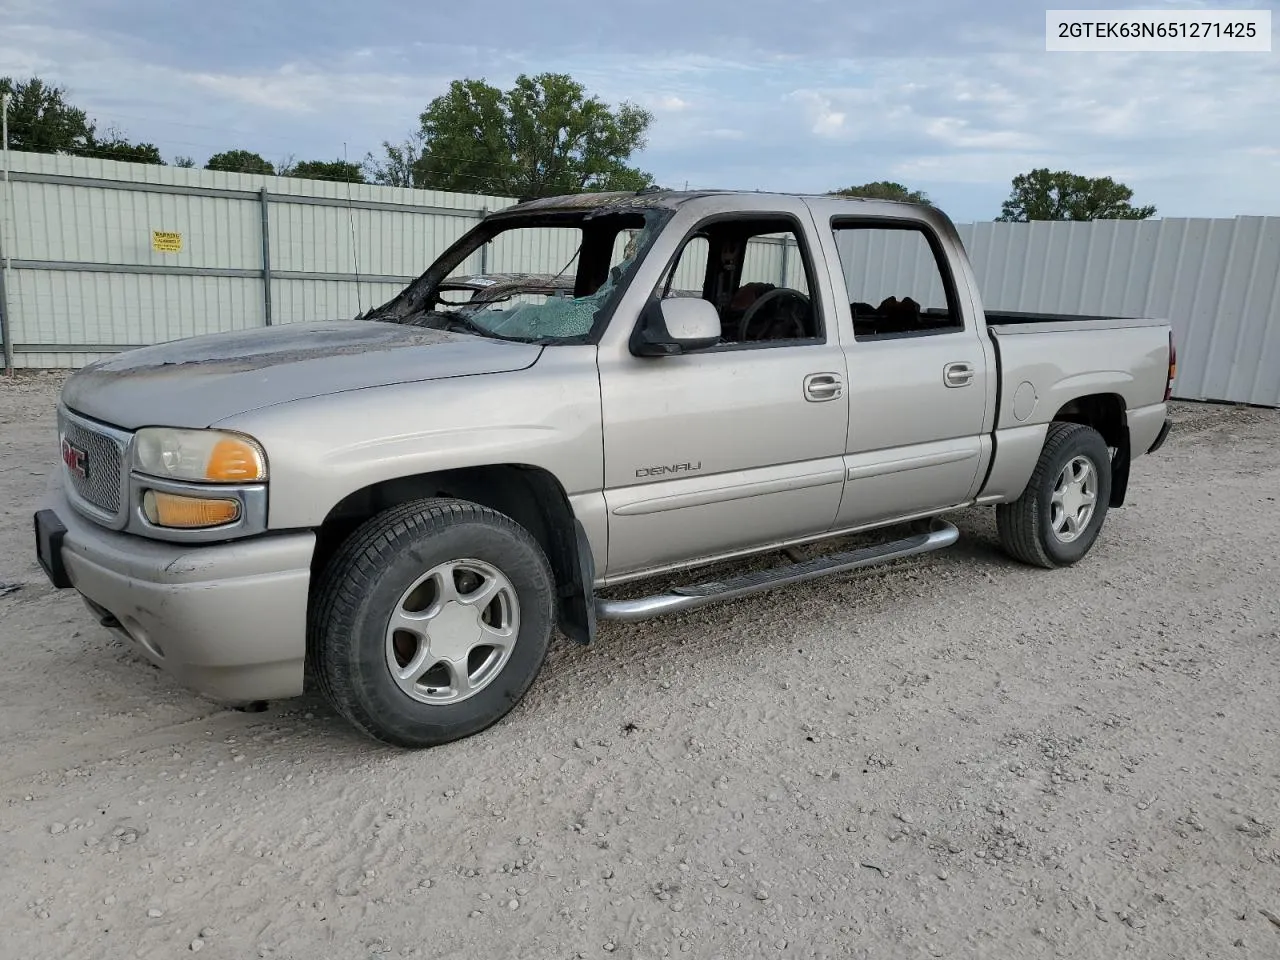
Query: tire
point(486, 651)
point(1030, 528)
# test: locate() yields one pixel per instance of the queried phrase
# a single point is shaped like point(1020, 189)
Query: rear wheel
point(1059, 515)
point(431, 622)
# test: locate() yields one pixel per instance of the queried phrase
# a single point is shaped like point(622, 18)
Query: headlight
point(209, 456)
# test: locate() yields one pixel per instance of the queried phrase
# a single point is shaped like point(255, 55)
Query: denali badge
point(77, 460)
point(673, 468)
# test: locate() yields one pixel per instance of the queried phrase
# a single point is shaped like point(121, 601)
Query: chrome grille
point(103, 461)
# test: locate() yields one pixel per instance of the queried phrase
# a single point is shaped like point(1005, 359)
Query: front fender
point(324, 449)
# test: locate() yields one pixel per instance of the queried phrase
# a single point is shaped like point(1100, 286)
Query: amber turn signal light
point(234, 460)
point(173, 510)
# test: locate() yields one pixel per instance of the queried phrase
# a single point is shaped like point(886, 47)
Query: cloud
point(953, 98)
point(824, 119)
point(299, 88)
point(960, 133)
point(671, 104)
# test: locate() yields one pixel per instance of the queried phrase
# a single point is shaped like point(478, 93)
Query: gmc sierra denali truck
point(401, 508)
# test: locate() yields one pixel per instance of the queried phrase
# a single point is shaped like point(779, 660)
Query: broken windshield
point(539, 279)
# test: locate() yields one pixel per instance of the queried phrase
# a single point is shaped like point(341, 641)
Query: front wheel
point(431, 622)
point(1059, 515)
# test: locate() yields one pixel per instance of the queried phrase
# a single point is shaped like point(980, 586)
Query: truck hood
point(198, 381)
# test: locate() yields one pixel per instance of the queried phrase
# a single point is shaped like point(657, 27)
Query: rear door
point(919, 373)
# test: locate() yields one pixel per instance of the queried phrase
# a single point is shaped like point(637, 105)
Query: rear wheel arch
point(1107, 414)
point(531, 496)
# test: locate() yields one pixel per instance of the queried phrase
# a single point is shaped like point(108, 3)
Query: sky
point(953, 97)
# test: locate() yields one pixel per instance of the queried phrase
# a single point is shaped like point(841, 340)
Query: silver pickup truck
point(400, 509)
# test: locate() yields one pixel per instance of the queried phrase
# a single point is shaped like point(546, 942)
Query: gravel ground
point(954, 756)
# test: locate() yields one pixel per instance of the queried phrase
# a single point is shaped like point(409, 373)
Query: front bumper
point(227, 620)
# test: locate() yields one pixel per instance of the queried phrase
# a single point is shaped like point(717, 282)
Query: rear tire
point(431, 622)
point(1060, 513)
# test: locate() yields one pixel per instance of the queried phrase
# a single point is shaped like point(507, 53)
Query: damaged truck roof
point(620, 200)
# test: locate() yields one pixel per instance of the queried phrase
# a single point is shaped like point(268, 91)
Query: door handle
point(822, 386)
point(958, 374)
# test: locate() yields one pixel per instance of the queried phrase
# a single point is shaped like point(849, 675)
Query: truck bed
point(1051, 357)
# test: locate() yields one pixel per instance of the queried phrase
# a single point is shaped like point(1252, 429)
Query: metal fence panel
point(107, 310)
point(326, 239)
point(77, 237)
point(304, 301)
point(114, 226)
point(1216, 281)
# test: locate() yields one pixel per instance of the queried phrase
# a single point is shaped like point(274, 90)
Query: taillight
point(1173, 368)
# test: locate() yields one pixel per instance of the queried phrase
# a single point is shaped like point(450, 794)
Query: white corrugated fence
point(84, 280)
point(1217, 281)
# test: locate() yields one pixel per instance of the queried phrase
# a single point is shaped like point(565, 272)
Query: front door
point(742, 444)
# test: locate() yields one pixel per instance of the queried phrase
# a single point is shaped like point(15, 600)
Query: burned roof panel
point(655, 199)
point(613, 200)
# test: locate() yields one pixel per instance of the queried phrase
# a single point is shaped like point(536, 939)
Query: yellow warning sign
point(165, 241)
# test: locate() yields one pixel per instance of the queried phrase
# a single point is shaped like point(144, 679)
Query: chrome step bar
point(939, 534)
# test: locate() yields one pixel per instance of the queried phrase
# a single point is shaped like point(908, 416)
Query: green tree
point(397, 166)
point(239, 161)
point(884, 190)
point(185, 162)
point(1062, 195)
point(41, 120)
point(544, 136)
point(339, 170)
point(115, 147)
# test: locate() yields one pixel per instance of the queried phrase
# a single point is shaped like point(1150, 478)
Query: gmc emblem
point(77, 460)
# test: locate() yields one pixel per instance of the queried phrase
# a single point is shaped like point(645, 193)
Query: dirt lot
point(951, 757)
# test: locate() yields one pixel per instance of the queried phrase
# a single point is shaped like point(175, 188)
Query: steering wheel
point(794, 315)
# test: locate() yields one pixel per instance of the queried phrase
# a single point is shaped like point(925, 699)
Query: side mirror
point(674, 326)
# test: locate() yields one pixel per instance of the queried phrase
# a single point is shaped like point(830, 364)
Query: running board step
point(940, 534)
